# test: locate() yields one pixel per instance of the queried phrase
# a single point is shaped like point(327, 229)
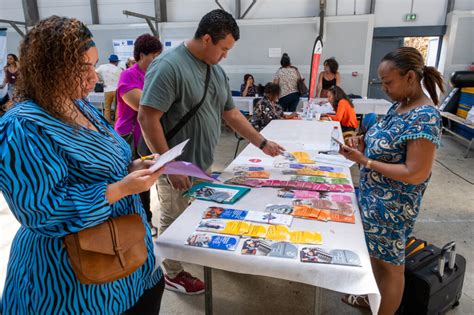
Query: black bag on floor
point(433, 280)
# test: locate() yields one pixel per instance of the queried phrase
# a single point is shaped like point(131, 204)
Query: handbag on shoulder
point(301, 86)
point(109, 251)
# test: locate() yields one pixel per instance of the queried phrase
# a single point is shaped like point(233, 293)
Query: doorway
point(427, 39)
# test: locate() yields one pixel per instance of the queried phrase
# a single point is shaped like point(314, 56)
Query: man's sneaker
point(184, 283)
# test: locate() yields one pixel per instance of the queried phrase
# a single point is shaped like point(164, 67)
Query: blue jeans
point(290, 102)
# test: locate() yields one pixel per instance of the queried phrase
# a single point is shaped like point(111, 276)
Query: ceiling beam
point(30, 10)
point(15, 26)
point(161, 12)
point(95, 12)
point(149, 19)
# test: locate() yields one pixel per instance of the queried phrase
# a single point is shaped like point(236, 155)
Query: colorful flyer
point(214, 241)
point(236, 227)
point(253, 174)
point(303, 157)
point(248, 168)
point(212, 225)
point(258, 231)
point(269, 218)
point(278, 233)
point(306, 237)
point(222, 213)
point(279, 209)
point(217, 192)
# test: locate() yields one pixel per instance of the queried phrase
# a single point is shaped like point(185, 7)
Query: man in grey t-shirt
point(175, 83)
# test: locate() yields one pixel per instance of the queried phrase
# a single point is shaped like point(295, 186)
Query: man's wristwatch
point(263, 144)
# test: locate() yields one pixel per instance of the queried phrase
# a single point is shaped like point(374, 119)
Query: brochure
point(312, 172)
point(279, 209)
point(248, 168)
point(253, 174)
point(320, 179)
point(342, 207)
point(335, 256)
point(253, 216)
point(169, 156)
point(303, 157)
point(282, 233)
point(212, 225)
point(291, 184)
point(267, 248)
point(217, 192)
point(307, 212)
point(214, 241)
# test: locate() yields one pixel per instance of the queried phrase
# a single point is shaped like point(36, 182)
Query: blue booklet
point(214, 241)
point(226, 194)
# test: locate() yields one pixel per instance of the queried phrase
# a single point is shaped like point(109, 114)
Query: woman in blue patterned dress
point(396, 157)
point(63, 168)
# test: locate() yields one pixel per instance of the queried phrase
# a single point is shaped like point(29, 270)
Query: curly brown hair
point(53, 83)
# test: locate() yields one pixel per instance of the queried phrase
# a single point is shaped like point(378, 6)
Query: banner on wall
point(315, 60)
point(3, 59)
point(123, 48)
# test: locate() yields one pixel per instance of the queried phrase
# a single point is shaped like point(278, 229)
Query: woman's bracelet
point(368, 164)
point(263, 144)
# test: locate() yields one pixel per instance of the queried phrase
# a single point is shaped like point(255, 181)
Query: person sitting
point(344, 109)
point(248, 88)
point(267, 108)
point(329, 77)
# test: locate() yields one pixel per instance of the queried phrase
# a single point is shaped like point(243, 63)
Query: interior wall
point(458, 43)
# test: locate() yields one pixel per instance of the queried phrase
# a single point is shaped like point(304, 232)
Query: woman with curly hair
point(64, 169)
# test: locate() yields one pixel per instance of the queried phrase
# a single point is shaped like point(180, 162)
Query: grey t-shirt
point(174, 83)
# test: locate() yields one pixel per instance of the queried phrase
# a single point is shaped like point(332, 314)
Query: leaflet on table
point(254, 216)
point(325, 256)
point(259, 247)
point(254, 161)
point(214, 241)
point(320, 180)
point(290, 184)
point(272, 232)
point(312, 172)
point(248, 168)
point(343, 207)
point(307, 212)
point(217, 192)
point(253, 174)
point(297, 166)
point(305, 194)
point(337, 159)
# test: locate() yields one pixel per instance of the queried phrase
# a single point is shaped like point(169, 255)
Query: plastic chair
point(235, 93)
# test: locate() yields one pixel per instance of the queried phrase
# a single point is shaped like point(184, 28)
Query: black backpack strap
point(170, 134)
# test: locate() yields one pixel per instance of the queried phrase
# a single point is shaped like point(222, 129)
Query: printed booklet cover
point(217, 192)
point(253, 216)
point(214, 241)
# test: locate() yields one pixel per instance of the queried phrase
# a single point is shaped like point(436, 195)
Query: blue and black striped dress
point(53, 177)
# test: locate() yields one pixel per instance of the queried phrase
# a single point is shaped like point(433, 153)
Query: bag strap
point(170, 134)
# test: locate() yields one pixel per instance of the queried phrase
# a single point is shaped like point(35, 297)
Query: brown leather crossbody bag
point(109, 251)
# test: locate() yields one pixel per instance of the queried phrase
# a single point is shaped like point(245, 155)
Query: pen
point(147, 157)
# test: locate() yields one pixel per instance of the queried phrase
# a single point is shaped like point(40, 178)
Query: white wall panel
point(11, 10)
point(110, 11)
point(464, 5)
point(391, 13)
point(79, 9)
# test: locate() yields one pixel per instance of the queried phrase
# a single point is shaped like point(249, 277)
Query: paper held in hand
point(169, 156)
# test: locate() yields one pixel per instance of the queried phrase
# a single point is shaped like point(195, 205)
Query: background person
point(287, 77)
point(397, 155)
point(345, 112)
point(328, 78)
point(11, 74)
point(109, 73)
point(268, 109)
point(72, 171)
point(174, 83)
point(129, 91)
point(248, 88)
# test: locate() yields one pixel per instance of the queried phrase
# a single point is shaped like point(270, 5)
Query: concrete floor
point(447, 214)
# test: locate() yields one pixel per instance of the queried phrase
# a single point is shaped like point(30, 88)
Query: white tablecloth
point(96, 98)
point(353, 280)
point(365, 106)
point(362, 106)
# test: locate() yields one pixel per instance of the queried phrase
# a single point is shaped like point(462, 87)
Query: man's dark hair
point(146, 44)
point(218, 24)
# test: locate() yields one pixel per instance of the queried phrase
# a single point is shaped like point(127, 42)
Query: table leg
point(468, 148)
point(208, 290)
point(318, 300)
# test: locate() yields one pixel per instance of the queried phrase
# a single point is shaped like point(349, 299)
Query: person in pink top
point(129, 91)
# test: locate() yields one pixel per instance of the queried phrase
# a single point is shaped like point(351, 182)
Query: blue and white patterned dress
point(389, 207)
point(54, 178)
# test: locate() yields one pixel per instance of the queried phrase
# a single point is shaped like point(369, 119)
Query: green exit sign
point(410, 17)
